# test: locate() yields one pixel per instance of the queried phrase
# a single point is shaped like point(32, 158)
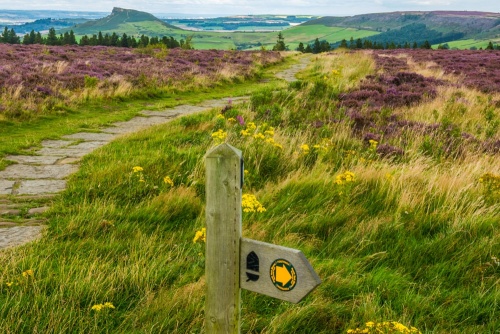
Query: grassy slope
point(478, 27)
point(215, 40)
point(137, 23)
point(21, 137)
point(409, 240)
point(332, 29)
point(307, 34)
point(468, 43)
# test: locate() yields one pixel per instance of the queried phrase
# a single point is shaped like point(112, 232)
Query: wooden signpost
point(234, 263)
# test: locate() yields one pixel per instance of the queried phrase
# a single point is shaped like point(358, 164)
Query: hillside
point(442, 26)
point(45, 24)
point(129, 21)
point(136, 23)
point(476, 28)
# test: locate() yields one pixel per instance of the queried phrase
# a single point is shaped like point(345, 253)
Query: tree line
point(323, 46)
point(68, 38)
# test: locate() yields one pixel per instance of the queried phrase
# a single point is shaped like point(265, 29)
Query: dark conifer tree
point(114, 40)
point(52, 37)
point(84, 40)
point(124, 41)
point(280, 43)
point(38, 38)
point(316, 46)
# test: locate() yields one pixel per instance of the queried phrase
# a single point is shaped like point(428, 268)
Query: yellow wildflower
point(168, 181)
point(100, 307)
point(251, 126)
point(97, 307)
point(109, 305)
point(259, 136)
point(137, 169)
point(200, 236)
point(345, 177)
point(384, 327)
point(373, 144)
point(9, 284)
point(251, 204)
point(278, 145)
point(219, 135)
point(245, 133)
point(305, 148)
point(231, 119)
point(220, 116)
point(28, 273)
point(269, 132)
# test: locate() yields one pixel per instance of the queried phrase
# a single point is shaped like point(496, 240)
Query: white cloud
point(224, 7)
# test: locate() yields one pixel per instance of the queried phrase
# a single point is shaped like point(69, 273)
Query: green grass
point(410, 240)
point(468, 43)
point(231, 40)
point(21, 137)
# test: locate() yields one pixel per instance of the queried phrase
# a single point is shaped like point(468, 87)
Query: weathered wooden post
point(233, 262)
point(224, 179)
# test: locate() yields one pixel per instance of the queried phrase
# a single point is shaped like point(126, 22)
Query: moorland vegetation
point(381, 166)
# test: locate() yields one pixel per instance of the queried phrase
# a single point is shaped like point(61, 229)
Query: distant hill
point(439, 25)
point(459, 29)
point(129, 21)
point(45, 25)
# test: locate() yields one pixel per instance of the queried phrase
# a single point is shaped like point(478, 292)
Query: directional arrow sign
point(276, 271)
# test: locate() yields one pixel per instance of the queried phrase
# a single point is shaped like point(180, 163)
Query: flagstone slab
point(186, 109)
point(165, 114)
point(6, 187)
point(56, 143)
point(135, 124)
point(88, 146)
point(215, 103)
point(66, 152)
point(37, 172)
point(33, 159)
point(18, 235)
point(91, 136)
point(66, 161)
point(39, 187)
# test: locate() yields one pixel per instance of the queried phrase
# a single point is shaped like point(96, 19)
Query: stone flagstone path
point(26, 188)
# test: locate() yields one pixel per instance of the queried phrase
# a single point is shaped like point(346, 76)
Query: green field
point(468, 43)
point(331, 29)
point(233, 40)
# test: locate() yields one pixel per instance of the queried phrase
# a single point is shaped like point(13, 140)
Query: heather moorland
point(381, 166)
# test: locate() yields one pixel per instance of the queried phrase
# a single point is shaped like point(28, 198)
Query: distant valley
point(461, 30)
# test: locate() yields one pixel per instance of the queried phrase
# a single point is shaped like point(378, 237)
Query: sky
point(246, 7)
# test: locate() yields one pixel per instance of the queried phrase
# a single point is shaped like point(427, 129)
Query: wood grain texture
point(306, 277)
point(223, 218)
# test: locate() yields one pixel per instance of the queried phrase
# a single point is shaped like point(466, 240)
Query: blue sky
point(228, 7)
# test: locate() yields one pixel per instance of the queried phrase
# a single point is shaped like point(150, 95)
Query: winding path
point(26, 188)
